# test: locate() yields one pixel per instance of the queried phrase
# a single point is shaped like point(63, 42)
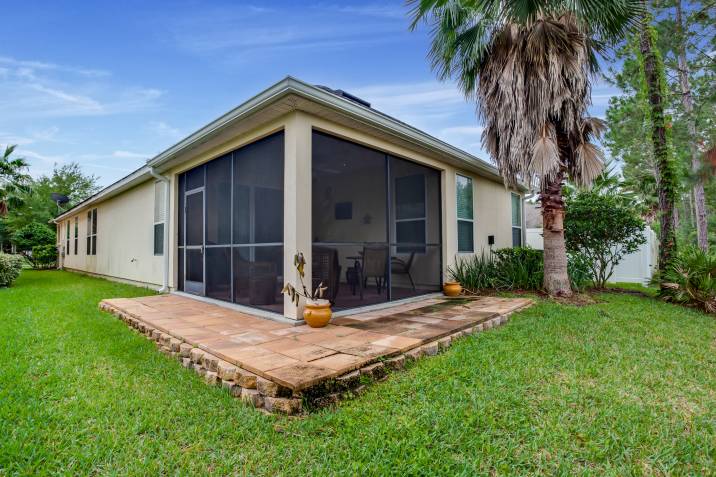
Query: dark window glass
point(465, 241)
point(258, 277)
point(410, 197)
point(258, 192)
point(195, 219)
point(195, 178)
point(94, 245)
point(218, 201)
point(89, 245)
point(410, 232)
point(158, 239)
point(516, 237)
point(194, 265)
point(94, 221)
point(180, 222)
point(218, 273)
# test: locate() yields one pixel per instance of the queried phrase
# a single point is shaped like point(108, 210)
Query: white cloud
point(161, 128)
point(29, 65)
point(129, 155)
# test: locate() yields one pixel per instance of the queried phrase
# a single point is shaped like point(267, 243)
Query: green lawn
point(623, 387)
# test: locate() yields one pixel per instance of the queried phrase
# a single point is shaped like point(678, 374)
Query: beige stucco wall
point(125, 222)
point(125, 243)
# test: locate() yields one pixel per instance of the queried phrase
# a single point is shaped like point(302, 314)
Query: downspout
point(167, 217)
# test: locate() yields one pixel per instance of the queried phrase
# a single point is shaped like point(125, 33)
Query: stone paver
point(231, 344)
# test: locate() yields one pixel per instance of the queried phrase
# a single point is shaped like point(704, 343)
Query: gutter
point(167, 217)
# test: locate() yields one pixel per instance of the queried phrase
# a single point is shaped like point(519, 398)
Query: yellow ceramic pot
point(317, 313)
point(452, 288)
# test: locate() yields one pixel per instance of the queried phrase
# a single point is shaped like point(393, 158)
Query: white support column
point(449, 216)
point(297, 203)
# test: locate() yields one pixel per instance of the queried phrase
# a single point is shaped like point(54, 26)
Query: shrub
point(518, 268)
point(10, 267)
point(31, 236)
point(604, 228)
point(45, 256)
point(691, 279)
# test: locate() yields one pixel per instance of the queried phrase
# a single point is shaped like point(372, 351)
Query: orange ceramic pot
point(317, 314)
point(452, 288)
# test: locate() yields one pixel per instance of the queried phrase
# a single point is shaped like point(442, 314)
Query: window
point(77, 221)
point(92, 232)
point(516, 220)
point(410, 213)
point(159, 216)
point(67, 237)
point(465, 218)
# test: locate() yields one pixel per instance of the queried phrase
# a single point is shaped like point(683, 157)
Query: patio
point(291, 359)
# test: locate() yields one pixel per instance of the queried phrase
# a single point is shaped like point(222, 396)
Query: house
point(378, 208)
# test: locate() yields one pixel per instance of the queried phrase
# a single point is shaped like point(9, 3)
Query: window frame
point(520, 201)
point(412, 247)
point(159, 251)
point(462, 219)
point(77, 227)
point(92, 231)
point(67, 238)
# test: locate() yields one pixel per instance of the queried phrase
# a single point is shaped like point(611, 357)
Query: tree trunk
point(666, 174)
point(556, 279)
point(687, 101)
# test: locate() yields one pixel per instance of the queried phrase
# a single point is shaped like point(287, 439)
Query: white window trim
point(522, 215)
point(459, 219)
point(162, 222)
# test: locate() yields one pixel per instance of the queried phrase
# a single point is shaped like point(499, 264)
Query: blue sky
point(110, 84)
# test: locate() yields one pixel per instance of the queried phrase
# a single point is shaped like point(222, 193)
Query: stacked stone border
point(272, 397)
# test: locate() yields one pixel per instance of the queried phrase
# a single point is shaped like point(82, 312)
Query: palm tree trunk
point(687, 102)
point(665, 170)
point(556, 279)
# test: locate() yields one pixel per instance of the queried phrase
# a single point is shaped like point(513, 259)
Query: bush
point(691, 280)
point(31, 236)
point(45, 256)
point(518, 268)
point(10, 267)
point(604, 228)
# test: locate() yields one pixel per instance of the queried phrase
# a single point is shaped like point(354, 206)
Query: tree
point(30, 237)
point(688, 104)
point(36, 204)
point(529, 65)
point(603, 227)
point(666, 176)
point(13, 180)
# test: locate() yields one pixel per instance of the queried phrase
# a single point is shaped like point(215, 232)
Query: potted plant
point(317, 312)
point(452, 289)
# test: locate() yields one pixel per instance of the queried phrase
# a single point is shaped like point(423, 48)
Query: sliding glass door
point(376, 224)
point(231, 226)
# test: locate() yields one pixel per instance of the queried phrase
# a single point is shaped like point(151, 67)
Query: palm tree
point(529, 64)
point(13, 180)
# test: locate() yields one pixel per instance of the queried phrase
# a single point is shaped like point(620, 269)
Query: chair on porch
point(326, 269)
point(398, 266)
point(374, 265)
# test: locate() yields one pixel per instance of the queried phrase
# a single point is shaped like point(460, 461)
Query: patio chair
point(327, 270)
point(375, 265)
point(398, 266)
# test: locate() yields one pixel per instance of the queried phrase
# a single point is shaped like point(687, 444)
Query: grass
point(622, 387)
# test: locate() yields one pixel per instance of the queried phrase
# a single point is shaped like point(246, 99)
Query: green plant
point(10, 267)
point(45, 256)
point(33, 235)
point(604, 227)
point(519, 268)
point(690, 279)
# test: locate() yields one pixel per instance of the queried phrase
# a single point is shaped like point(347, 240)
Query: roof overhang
point(286, 95)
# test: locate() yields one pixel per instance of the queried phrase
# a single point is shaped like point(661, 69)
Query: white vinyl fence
point(637, 267)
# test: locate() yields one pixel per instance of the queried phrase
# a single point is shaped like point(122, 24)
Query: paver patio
point(299, 357)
